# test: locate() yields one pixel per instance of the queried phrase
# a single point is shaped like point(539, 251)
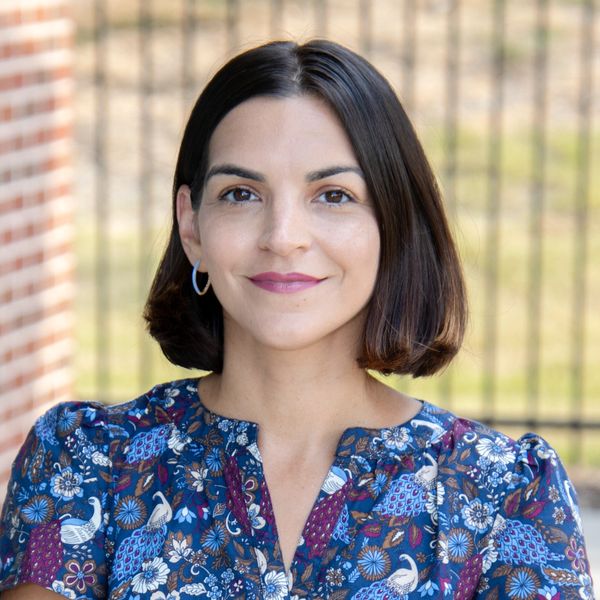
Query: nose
point(286, 226)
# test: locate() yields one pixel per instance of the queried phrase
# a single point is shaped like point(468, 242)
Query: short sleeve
point(52, 524)
point(537, 548)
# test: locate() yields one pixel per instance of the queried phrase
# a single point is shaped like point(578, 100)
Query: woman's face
point(285, 227)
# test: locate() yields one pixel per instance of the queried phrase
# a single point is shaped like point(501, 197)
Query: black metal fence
point(505, 97)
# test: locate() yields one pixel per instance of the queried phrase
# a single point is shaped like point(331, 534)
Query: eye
point(335, 196)
point(238, 195)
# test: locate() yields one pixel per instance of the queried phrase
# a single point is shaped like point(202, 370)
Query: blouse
point(162, 499)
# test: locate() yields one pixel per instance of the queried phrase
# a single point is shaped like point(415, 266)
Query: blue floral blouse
point(162, 499)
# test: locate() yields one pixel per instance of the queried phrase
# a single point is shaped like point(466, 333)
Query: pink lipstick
point(284, 283)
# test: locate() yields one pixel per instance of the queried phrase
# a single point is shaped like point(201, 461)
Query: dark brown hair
point(417, 314)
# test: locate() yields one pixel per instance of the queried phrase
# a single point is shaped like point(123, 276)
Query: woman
point(320, 249)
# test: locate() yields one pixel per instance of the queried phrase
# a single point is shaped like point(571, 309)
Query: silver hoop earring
point(195, 282)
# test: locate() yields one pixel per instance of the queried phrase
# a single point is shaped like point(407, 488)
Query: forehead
point(302, 129)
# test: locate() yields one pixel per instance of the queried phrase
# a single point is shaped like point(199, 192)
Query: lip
point(284, 283)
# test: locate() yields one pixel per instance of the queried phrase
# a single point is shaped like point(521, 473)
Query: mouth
point(284, 283)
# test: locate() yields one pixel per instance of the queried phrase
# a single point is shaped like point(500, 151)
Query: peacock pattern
point(163, 499)
point(407, 495)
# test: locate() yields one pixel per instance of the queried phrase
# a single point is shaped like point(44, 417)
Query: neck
point(302, 399)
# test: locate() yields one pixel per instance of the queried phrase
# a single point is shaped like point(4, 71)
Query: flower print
point(548, 593)
point(576, 554)
point(275, 586)
point(68, 420)
point(38, 510)
point(178, 441)
point(172, 595)
point(214, 593)
point(177, 547)
point(377, 484)
point(545, 453)
point(484, 585)
point(237, 586)
point(585, 591)
point(553, 494)
point(66, 484)
point(197, 558)
point(185, 515)
point(442, 550)
point(522, 584)
point(334, 577)
point(256, 520)
point(241, 566)
point(154, 573)
point(130, 512)
point(373, 563)
point(79, 576)
point(195, 476)
point(558, 514)
point(227, 576)
point(478, 515)
point(460, 545)
point(496, 451)
point(59, 588)
point(214, 539)
point(447, 587)
point(214, 461)
point(440, 493)
point(242, 439)
point(170, 395)
point(225, 424)
point(428, 589)
point(494, 479)
point(396, 438)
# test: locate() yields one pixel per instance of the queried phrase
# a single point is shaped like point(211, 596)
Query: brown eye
point(335, 197)
point(238, 196)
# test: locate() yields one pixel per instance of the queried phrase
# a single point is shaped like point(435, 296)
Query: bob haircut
point(417, 313)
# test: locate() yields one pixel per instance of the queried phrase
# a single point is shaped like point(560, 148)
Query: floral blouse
point(162, 499)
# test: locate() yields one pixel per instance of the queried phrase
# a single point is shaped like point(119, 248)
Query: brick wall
point(36, 214)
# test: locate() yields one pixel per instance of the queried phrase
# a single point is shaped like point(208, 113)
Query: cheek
point(221, 243)
point(362, 246)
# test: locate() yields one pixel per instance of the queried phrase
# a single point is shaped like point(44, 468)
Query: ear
point(187, 222)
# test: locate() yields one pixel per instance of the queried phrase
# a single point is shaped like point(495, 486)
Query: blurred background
point(505, 95)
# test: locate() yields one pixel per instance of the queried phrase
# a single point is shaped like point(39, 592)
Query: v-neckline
point(336, 483)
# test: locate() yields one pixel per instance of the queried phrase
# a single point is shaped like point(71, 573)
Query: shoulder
point(492, 460)
point(87, 430)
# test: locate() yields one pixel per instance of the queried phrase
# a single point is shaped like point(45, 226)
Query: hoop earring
point(195, 283)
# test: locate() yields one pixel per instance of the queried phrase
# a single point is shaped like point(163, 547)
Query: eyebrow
point(256, 176)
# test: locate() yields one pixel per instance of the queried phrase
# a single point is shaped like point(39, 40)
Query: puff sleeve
point(52, 524)
point(536, 548)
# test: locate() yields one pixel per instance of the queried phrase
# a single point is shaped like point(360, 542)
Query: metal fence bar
point(493, 210)
point(189, 24)
point(232, 22)
point(276, 17)
point(538, 179)
point(102, 241)
point(146, 89)
point(581, 233)
point(451, 138)
point(409, 50)
point(365, 26)
point(321, 17)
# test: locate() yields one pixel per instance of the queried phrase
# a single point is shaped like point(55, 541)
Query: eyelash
point(238, 188)
point(224, 196)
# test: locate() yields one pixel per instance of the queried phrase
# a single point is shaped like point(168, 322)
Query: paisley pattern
point(162, 499)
